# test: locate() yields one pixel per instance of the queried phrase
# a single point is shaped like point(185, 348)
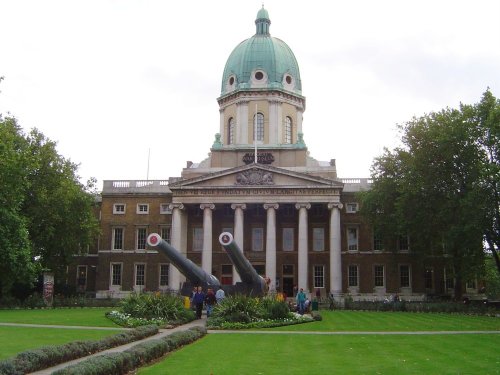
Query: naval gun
point(195, 274)
point(251, 282)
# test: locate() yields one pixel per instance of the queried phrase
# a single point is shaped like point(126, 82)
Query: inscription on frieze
point(256, 191)
point(262, 158)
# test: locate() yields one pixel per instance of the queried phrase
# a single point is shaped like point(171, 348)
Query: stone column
point(271, 244)
point(241, 136)
point(174, 276)
point(335, 251)
point(238, 232)
point(303, 245)
point(206, 255)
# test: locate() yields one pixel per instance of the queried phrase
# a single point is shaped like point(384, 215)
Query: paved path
point(162, 333)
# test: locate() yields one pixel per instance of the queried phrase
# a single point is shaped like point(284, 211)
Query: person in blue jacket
point(198, 300)
point(301, 301)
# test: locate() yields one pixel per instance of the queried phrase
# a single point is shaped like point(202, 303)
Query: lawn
point(296, 353)
point(291, 354)
point(396, 321)
point(16, 339)
point(89, 317)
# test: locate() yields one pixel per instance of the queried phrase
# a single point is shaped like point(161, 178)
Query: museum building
point(293, 218)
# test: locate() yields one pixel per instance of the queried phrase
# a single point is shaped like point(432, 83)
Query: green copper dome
point(261, 62)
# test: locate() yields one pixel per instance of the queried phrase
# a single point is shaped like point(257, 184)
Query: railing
point(135, 186)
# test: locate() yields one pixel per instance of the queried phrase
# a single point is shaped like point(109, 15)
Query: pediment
point(256, 175)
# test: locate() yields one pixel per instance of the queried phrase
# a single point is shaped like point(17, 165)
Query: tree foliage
point(47, 214)
point(441, 186)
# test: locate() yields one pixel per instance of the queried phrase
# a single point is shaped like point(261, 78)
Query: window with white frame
point(166, 233)
point(165, 209)
point(142, 208)
point(378, 242)
point(197, 239)
point(352, 276)
point(429, 278)
point(352, 238)
point(230, 131)
point(449, 279)
point(288, 130)
point(319, 276)
point(258, 130)
point(164, 269)
point(141, 236)
point(116, 274)
point(379, 276)
point(288, 239)
point(117, 239)
point(404, 276)
point(471, 284)
point(119, 208)
point(257, 239)
point(403, 243)
point(351, 207)
point(318, 239)
point(140, 274)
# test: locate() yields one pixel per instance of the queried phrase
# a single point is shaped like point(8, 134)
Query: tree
point(16, 263)
point(434, 189)
point(47, 215)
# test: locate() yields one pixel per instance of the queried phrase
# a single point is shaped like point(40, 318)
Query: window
point(142, 234)
point(318, 239)
point(143, 208)
point(257, 239)
point(352, 276)
point(288, 239)
point(117, 239)
point(449, 280)
point(165, 209)
point(230, 132)
point(164, 268)
point(226, 274)
point(258, 130)
point(352, 238)
point(119, 208)
point(404, 276)
point(140, 274)
point(288, 130)
point(403, 243)
point(166, 233)
point(351, 208)
point(197, 239)
point(378, 243)
point(379, 276)
point(471, 284)
point(116, 274)
point(260, 269)
point(429, 278)
point(319, 276)
point(81, 276)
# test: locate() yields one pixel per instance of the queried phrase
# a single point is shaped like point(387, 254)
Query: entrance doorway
point(288, 283)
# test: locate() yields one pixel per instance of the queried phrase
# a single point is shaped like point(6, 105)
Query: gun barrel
point(193, 272)
point(243, 267)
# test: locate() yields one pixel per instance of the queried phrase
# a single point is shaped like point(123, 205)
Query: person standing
point(301, 301)
point(210, 301)
point(198, 299)
point(220, 295)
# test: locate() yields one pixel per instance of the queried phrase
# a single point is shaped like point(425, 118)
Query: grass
point(240, 353)
point(14, 340)
point(88, 317)
point(333, 354)
point(351, 321)
point(17, 339)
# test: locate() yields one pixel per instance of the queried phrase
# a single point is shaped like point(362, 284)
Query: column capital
point(243, 206)
point(307, 206)
point(271, 205)
point(180, 206)
point(207, 205)
point(333, 205)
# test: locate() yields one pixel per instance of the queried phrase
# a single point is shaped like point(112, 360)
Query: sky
point(128, 88)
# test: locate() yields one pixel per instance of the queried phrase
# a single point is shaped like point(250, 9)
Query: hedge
point(48, 356)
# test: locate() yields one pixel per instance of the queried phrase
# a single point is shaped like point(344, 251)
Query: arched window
point(258, 130)
point(230, 131)
point(288, 130)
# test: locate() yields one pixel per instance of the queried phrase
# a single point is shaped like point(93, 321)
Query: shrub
point(275, 309)
point(37, 359)
point(140, 354)
point(238, 308)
